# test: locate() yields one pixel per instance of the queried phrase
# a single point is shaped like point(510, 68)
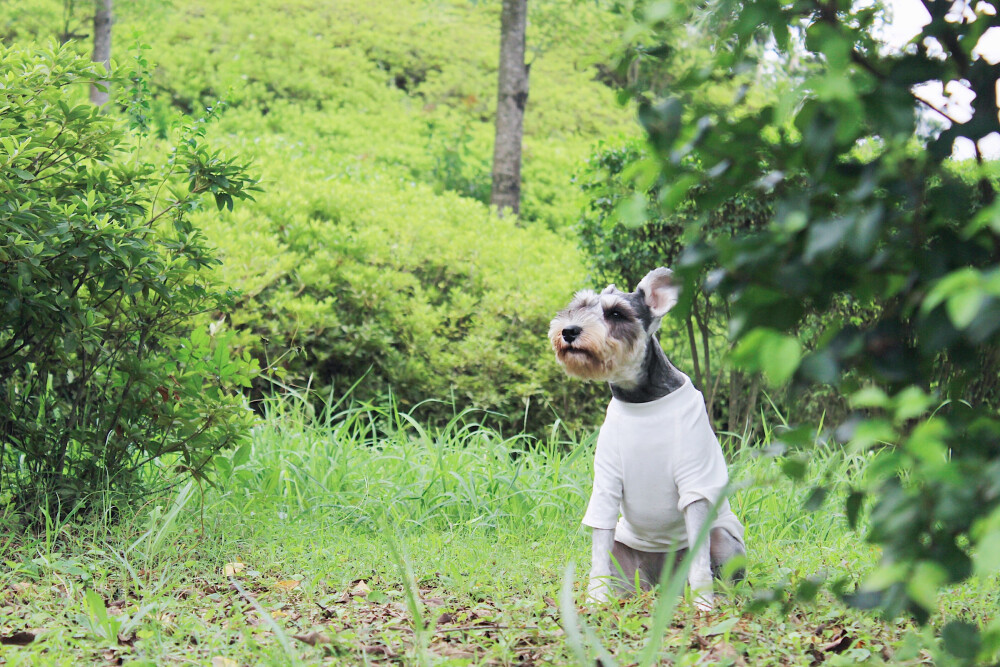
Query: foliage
point(621, 251)
point(891, 229)
point(400, 288)
point(101, 271)
point(374, 84)
point(383, 133)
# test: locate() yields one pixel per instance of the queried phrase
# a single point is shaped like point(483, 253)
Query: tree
point(102, 49)
point(871, 215)
point(512, 96)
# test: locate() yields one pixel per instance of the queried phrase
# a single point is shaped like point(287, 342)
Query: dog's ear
point(659, 291)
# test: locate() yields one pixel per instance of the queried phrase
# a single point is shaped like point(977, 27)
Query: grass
point(363, 538)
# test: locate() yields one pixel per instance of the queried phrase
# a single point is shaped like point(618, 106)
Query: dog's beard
point(596, 358)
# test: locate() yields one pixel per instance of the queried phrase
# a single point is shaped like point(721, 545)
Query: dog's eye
point(615, 314)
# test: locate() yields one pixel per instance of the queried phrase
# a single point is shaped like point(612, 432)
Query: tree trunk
point(734, 402)
point(102, 47)
point(694, 352)
point(702, 323)
point(750, 420)
point(512, 95)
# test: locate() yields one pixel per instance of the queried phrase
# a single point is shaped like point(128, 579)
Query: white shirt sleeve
point(606, 497)
point(700, 472)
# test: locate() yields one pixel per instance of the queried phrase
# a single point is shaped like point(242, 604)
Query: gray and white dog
point(658, 470)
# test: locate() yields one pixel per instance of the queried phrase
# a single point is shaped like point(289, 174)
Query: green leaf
point(774, 353)
point(794, 467)
point(853, 504)
point(815, 499)
point(961, 639)
point(924, 583)
point(869, 397)
point(962, 307)
point(720, 628)
point(632, 210)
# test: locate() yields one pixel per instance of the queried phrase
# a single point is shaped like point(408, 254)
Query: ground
point(359, 543)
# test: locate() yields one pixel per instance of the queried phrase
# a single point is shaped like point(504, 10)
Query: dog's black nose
point(570, 334)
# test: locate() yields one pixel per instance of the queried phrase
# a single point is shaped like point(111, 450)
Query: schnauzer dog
point(659, 469)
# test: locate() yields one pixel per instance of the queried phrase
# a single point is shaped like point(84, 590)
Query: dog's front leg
point(602, 542)
point(700, 574)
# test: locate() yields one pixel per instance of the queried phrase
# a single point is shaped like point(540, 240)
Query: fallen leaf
point(219, 661)
point(723, 652)
point(840, 642)
point(23, 588)
point(361, 589)
point(288, 584)
point(232, 569)
point(445, 618)
point(313, 638)
point(379, 649)
point(21, 638)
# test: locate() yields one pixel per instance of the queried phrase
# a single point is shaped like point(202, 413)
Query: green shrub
point(376, 86)
point(367, 121)
point(101, 272)
point(424, 294)
point(861, 218)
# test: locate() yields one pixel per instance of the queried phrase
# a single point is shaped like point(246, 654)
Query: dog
point(659, 471)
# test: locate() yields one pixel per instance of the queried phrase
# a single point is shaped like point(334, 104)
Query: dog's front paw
point(598, 590)
point(704, 601)
point(701, 590)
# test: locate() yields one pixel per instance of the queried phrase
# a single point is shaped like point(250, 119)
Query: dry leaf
point(232, 569)
point(313, 638)
point(379, 649)
point(21, 638)
point(219, 661)
point(288, 584)
point(360, 589)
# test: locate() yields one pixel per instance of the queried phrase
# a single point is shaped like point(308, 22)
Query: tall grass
point(370, 465)
point(375, 466)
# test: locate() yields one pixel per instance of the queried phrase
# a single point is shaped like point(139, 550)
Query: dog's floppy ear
point(659, 291)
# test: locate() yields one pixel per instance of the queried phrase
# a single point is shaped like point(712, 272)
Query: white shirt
point(653, 460)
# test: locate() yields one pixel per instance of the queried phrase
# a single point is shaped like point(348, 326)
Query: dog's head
point(604, 336)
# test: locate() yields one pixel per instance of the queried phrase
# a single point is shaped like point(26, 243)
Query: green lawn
point(365, 539)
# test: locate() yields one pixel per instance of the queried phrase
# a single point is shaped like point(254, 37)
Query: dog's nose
point(570, 334)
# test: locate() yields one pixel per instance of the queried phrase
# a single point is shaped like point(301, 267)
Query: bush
point(101, 272)
point(387, 120)
point(869, 212)
point(376, 86)
point(426, 295)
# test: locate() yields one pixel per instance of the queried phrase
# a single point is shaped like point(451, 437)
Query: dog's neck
point(657, 378)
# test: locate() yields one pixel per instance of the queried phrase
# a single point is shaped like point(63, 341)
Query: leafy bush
point(386, 120)
point(891, 230)
point(426, 295)
point(374, 85)
point(101, 272)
